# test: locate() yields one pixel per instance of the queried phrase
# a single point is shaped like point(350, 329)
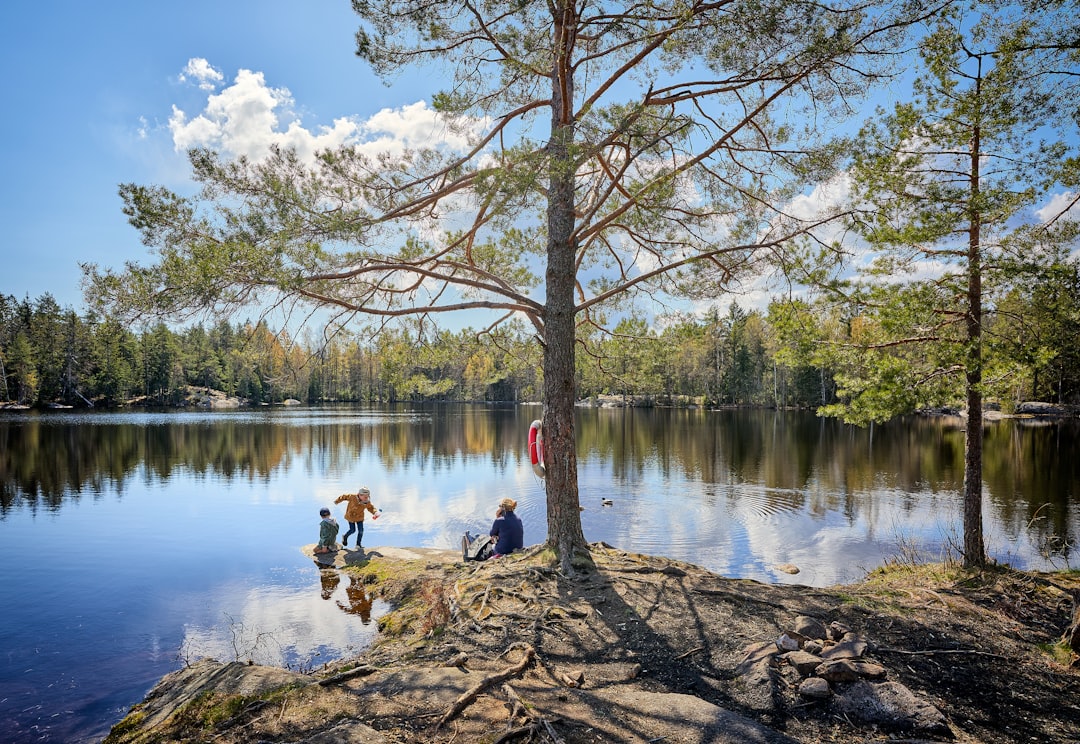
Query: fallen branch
point(518, 707)
point(690, 652)
point(551, 732)
point(527, 730)
point(575, 679)
point(360, 671)
point(941, 651)
point(468, 697)
point(539, 728)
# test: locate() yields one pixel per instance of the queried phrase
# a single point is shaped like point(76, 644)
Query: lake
point(135, 542)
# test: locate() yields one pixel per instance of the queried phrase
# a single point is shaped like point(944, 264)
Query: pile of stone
point(825, 664)
point(825, 655)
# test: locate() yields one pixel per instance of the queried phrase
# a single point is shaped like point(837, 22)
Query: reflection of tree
point(359, 601)
point(834, 466)
point(799, 458)
point(50, 458)
point(1033, 474)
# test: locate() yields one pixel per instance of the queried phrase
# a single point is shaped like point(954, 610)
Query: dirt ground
point(635, 648)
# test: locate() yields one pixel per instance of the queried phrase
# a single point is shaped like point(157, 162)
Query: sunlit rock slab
point(343, 557)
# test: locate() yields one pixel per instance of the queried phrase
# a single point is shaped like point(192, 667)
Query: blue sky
point(89, 93)
point(101, 94)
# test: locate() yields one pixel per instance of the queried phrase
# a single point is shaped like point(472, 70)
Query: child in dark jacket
point(328, 529)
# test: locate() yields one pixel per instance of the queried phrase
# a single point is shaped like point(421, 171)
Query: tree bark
point(1071, 638)
point(974, 549)
point(560, 451)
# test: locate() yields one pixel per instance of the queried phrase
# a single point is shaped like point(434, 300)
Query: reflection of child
point(358, 503)
point(359, 601)
point(329, 581)
point(328, 529)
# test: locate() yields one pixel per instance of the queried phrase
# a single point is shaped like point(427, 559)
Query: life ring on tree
point(536, 448)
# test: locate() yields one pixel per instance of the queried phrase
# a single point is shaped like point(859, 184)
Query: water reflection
point(48, 458)
point(148, 539)
point(763, 469)
point(359, 603)
point(329, 580)
point(285, 627)
point(755, 466)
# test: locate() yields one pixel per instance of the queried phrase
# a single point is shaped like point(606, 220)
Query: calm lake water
point(133, 542)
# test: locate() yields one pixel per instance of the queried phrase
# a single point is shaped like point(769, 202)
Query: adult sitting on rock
point(507, 534)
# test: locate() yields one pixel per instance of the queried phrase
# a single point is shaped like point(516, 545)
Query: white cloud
point(201, 73)
point(248, 116)
point(188, 134)
point(823, 199)
point(1064, 204)
point(243, 119)
point(414, 125)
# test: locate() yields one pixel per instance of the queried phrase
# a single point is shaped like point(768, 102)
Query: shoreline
point(635, 648)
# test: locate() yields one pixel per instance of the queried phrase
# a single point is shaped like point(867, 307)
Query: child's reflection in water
point(359, 601)
point(329, 581)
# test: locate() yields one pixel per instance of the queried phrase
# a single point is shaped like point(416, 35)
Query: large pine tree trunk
point(560, 453)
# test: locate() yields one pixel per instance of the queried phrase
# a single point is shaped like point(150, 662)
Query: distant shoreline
point(206, 398)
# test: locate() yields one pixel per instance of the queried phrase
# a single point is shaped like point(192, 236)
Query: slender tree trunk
point(563, 514)
point(974, 550)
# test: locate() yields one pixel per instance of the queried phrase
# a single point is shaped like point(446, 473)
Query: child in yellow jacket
point(358, 503)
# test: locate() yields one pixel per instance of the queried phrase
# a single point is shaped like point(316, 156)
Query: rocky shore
point(635, 648)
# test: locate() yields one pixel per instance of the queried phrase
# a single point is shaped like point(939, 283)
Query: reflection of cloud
point(279, 626)
point(745, 530)
point(437, 507)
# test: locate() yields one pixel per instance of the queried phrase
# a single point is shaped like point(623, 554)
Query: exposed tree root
point(492, 679)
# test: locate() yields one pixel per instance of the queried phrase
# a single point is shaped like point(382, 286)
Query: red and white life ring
point(536, 448)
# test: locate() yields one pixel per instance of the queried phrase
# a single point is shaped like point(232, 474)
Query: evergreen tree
point(22, 369)
point(945, 180)
point(614, 154)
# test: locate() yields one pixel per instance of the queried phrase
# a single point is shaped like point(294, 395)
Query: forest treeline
point(53, 355)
